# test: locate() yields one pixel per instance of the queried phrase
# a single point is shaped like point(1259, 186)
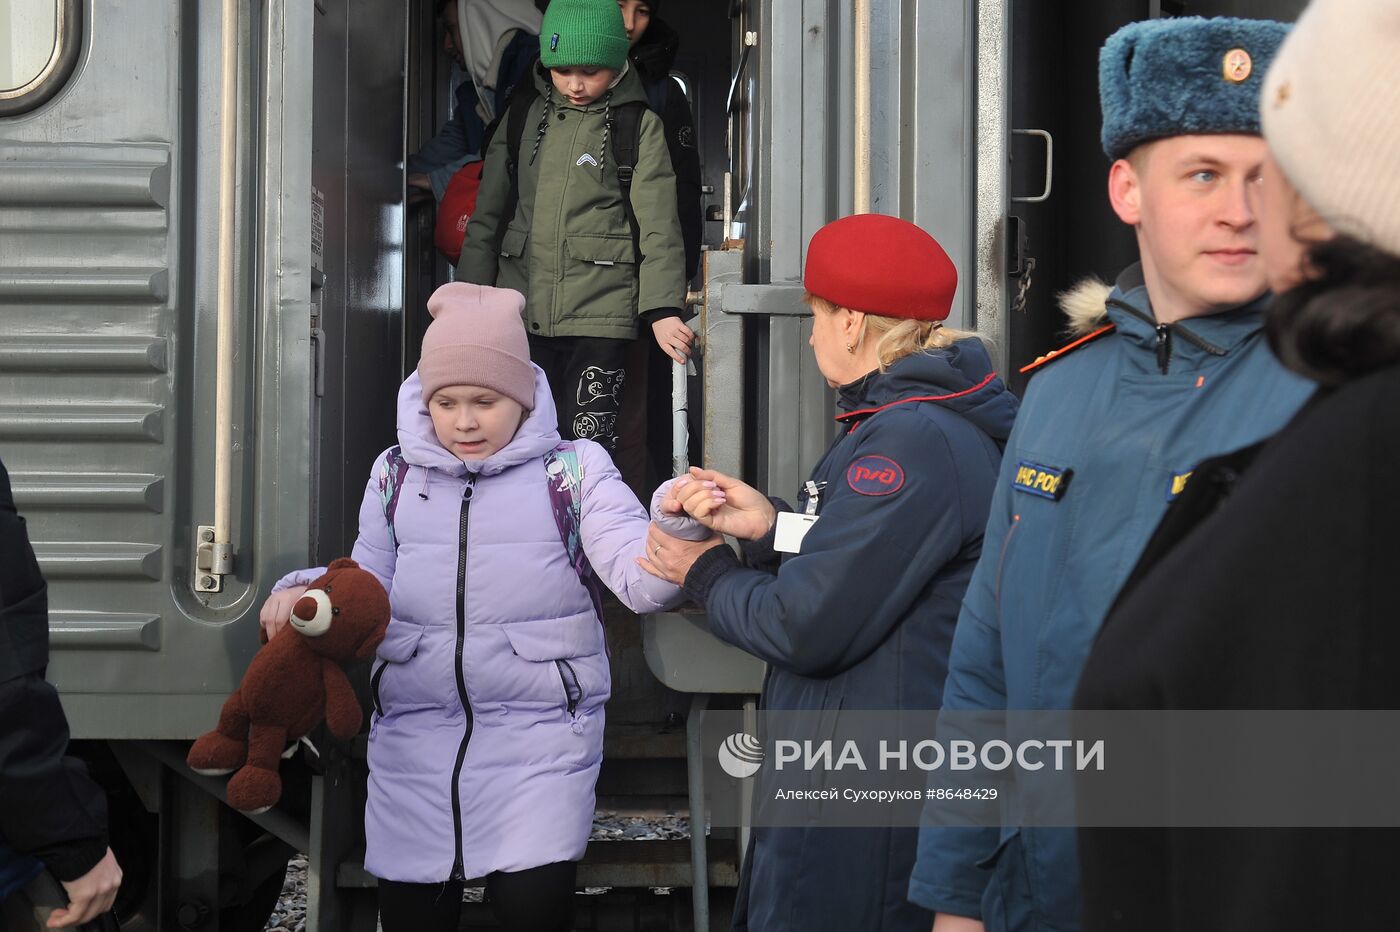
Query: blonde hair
point(897, 337)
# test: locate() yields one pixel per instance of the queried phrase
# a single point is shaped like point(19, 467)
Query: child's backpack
point(625, 136)
point(565, 474)
point(459, 200)
point(458, 205)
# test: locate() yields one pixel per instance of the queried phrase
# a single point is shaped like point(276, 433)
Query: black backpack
point(624, 133)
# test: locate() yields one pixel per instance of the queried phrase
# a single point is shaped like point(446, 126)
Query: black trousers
point(540, 899)
point(586, 376)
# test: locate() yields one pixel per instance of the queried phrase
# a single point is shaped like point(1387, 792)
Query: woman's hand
point(721, 503)
point(277, 610)
point(670, 558)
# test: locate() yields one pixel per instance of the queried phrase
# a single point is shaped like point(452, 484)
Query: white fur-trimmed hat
point(1331, 115)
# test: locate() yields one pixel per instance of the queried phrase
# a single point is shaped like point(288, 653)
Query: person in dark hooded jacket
point(644, 448)
point(654, 46)
point(861, 617)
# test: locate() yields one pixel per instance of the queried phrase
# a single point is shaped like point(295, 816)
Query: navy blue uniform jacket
point(863, 617)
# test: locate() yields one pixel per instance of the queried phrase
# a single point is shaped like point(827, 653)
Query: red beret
point(881, 265)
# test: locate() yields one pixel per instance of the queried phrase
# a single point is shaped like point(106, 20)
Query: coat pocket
point(555, 638)
point(511, 269)
point(573, 687)
point(600, 276)
point(408, 672)
point(513, 243)
point(557, 662)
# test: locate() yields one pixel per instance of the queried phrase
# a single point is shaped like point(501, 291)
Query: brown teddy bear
point(293, 683)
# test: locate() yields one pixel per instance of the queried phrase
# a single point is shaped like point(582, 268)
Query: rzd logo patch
point(1045, 481)
point(875, 475)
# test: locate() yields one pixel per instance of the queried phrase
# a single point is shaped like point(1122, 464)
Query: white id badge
point(791, 528)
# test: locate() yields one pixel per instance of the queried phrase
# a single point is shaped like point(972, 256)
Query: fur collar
point(1086, 306)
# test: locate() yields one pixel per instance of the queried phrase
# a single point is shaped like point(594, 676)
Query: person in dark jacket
point(861, 616)
point(1270, 583)
point(50, 811)
point(1172, 367)
point(644, 450)
point(654, 46)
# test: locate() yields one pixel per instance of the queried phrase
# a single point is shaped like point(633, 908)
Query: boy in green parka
point(566, 242)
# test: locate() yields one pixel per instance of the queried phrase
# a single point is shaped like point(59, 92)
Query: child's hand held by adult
point(700, 499)
point(725, 504)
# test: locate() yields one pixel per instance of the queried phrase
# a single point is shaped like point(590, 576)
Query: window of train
point(38, 48)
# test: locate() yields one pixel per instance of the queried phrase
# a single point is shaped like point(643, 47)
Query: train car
point(212, 282)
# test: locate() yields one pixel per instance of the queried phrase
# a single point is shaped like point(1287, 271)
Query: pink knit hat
point(477, 338)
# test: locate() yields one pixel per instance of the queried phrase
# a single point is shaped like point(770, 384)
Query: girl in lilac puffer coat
point(489, 687)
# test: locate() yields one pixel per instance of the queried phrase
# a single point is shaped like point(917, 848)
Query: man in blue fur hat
point(1168, 367)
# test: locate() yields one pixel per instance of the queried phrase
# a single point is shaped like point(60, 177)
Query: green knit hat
point(583, 32)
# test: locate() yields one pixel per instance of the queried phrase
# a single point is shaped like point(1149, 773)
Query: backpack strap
point(392, 474)
point(564, 473)
point(516, 117)
point(657, 92)
point(626, 135)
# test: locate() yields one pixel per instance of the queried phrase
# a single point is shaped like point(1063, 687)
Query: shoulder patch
point(1069, 348)
point(875, 475)
point(1044, 481)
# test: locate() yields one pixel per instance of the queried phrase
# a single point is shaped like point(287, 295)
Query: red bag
point(458, 202)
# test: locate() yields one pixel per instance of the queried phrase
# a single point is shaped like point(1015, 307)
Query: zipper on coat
point(1001, 560)
point(462, 520)
point(1164, 347)
point(560, 256)
point(374, 687)
point(573, 692)
point(1165, 333)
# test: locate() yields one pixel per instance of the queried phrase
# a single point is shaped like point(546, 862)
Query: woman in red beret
point(851, 597)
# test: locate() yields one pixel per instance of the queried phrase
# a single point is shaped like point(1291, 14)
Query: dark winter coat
point(863, 617)
point(49, 808)
point(654, 57)
point(1269, 585)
